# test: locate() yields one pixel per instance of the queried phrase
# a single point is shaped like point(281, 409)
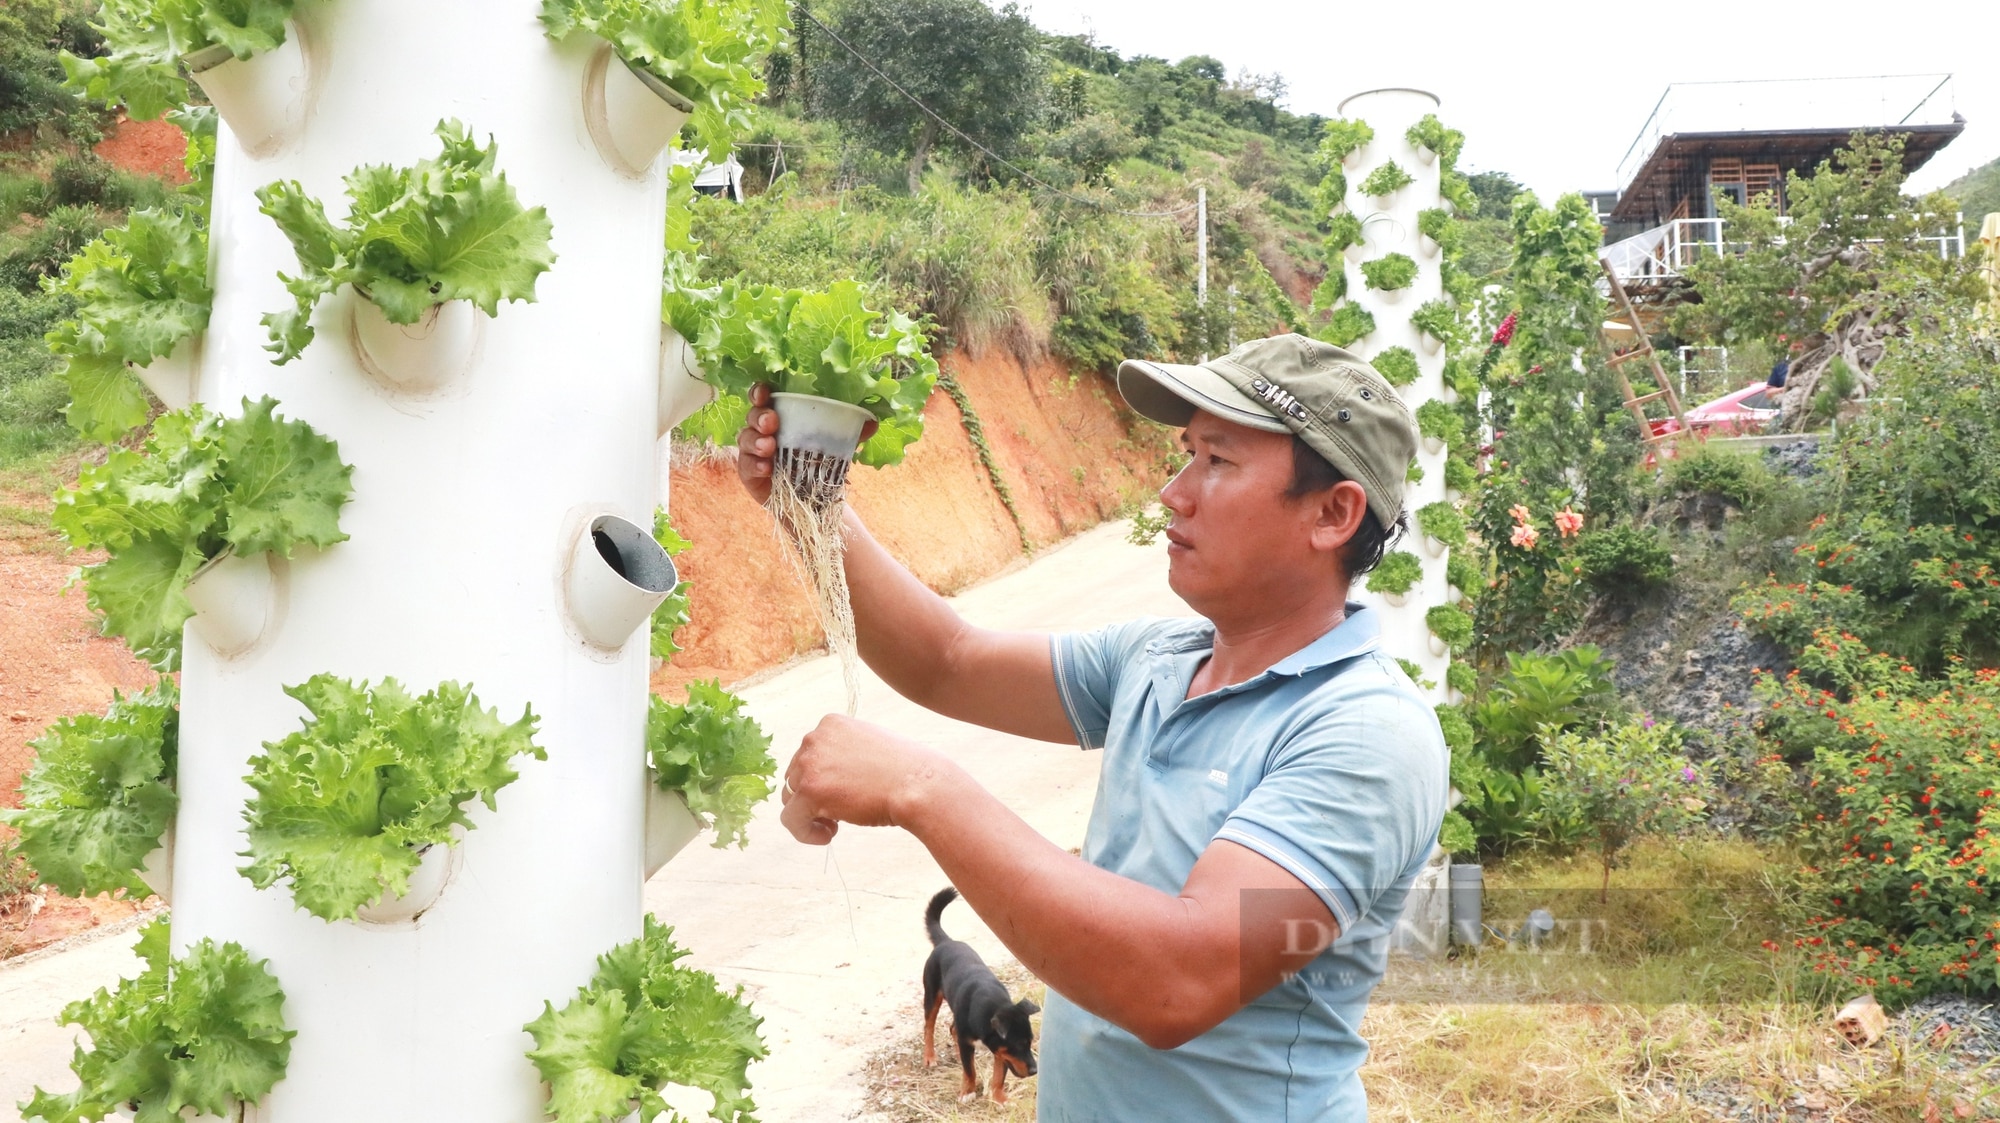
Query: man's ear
point(1338, 518)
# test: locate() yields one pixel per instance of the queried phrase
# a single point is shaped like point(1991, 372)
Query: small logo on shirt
point(1218, 776)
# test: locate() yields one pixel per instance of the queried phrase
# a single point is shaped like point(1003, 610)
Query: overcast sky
point(1555, 92)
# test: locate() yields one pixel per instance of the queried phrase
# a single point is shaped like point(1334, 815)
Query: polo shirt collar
point(1358, 633)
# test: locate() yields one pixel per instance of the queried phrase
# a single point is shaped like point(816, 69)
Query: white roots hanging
point(807, 493)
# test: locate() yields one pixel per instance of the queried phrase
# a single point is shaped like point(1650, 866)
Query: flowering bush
point(1629, 781)
point(1904, 773)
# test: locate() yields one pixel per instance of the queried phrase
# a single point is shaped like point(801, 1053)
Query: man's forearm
point(904, 630)
point(1131, 954)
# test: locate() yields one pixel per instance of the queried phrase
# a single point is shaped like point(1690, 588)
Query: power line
point(964, 136)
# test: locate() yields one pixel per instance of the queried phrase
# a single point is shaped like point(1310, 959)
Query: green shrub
point(1442, 521)
point(1459, 476)
point(1397, 364)
point(41, 252)
point(1450, 624)
point(1399, 573)
point(1437, 224)
point(1461, 677)
point(1348, 324)
point(1386, 180)
point(1431, 133)
point(1904, 774)
point(1704, 469)
point(1540, 694)
point(1393, 272)
point(79, 180)
point(1624, 559)
point(1462, 571)
point(1629, 781)
point(1456, 836)
point(1439, 422)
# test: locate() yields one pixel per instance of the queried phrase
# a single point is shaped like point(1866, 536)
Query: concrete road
point(827, 942)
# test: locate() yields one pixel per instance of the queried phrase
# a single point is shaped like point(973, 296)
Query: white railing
point(1664, 252)
point(1703, 370)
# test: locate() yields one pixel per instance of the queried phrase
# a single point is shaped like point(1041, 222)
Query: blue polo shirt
point(1330, 764)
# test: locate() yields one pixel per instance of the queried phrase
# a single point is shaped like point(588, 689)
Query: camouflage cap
point(1330, 398)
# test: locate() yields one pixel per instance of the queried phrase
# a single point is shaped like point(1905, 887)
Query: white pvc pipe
point(465, 509)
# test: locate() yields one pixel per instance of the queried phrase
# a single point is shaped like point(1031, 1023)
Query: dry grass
point(901, 1089)
point(1677, 1014)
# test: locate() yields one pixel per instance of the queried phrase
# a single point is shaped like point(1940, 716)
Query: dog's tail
point(934, 914)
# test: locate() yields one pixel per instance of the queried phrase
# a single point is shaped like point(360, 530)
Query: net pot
point(415, 358)
point(234, 597)
point(816, 442)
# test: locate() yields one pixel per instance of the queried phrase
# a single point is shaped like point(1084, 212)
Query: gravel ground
point(1965, 1029)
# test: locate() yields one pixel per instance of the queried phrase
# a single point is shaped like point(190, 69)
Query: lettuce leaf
point(714, 754)
point(826, 343)
point(140, 289)
point(643, 1022)
point(446, 229)
point(101, 794)
point(343, 806)
point(147, 38)
point(672, 614)
point(202, 484)
point(204, 1030)
point(711, 51)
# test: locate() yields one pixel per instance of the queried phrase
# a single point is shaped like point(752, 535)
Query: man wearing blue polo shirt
point(1271, 780)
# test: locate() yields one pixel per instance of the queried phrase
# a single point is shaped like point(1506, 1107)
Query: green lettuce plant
point(1397, 364)
point(1341, 138)
point(445, 229)
point(672, 614)
point(1398, 574)
point(1442, 521)
point(140, 289)
point(1431, 133)
point(1462, 571)
point(1451, 624)
point(710, 51)
point(1439, 422)
point(824, 343)
point(148, 38)
point(714, 754)
point(1342, 230)
point(1390, 272)
point(200, 1033)
point(1349, 322)
point(1386, 180)
point(643, 1022)
point(101, 794)
point(1436, 318)
point(344, 806)
point(201, 485)
point(1461, 677)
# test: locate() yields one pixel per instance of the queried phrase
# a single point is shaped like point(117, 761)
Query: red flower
point(1505, 334)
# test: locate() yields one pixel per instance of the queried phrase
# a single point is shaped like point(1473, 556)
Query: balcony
point(1659, 256)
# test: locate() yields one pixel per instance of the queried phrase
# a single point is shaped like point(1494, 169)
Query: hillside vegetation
point(1977, 193)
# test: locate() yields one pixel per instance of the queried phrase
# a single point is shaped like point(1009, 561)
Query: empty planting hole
point(632, 554)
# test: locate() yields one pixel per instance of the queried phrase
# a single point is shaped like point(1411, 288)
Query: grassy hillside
point(1977, 193)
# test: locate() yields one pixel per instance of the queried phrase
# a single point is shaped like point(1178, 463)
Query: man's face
point(1236, 539)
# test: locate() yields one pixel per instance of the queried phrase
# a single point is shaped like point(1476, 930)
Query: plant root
point(808, 492)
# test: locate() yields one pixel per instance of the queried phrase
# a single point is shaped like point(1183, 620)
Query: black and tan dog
point(980, 1007)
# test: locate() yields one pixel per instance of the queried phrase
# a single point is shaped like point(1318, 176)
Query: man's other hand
point(849, 771)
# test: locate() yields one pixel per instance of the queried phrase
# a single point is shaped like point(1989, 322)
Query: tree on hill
point(980, 69)
point(1852, 271)
point(1978, 195)
point(32, 35)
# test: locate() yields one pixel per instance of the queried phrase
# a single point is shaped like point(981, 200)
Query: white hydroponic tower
point(498, 464)
point(1389, 226)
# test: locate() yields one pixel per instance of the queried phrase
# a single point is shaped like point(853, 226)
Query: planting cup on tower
point(415, 358)
point(436, 863)
point(174, 377)
point(670, 826)
point(234, 598)
point(682, 390)
point(618, 574)
point(632, 115)
point(265, 99)
point(157, 871)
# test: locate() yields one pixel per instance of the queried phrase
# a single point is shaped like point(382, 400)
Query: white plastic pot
point(815, 424)
point(265, 99)
point(158, 869)
point(1428, 245)
point(241, 1113)
point(1430, 343)
point(1433, 446)
point(234, 598)
point(1437, 645)
point(670, 826)
point(1424, 154)
point(415, 358)
point(617, 576)
point(435, 865)
point(1395, 600)
point(174, 378)
point(631, 114)
point(1433, 546)
point(681, 389)
point(1390, 297)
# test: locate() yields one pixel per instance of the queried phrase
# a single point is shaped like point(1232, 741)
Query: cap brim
point(1170, 393)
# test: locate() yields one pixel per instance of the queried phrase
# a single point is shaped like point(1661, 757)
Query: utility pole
point(1201, 257)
